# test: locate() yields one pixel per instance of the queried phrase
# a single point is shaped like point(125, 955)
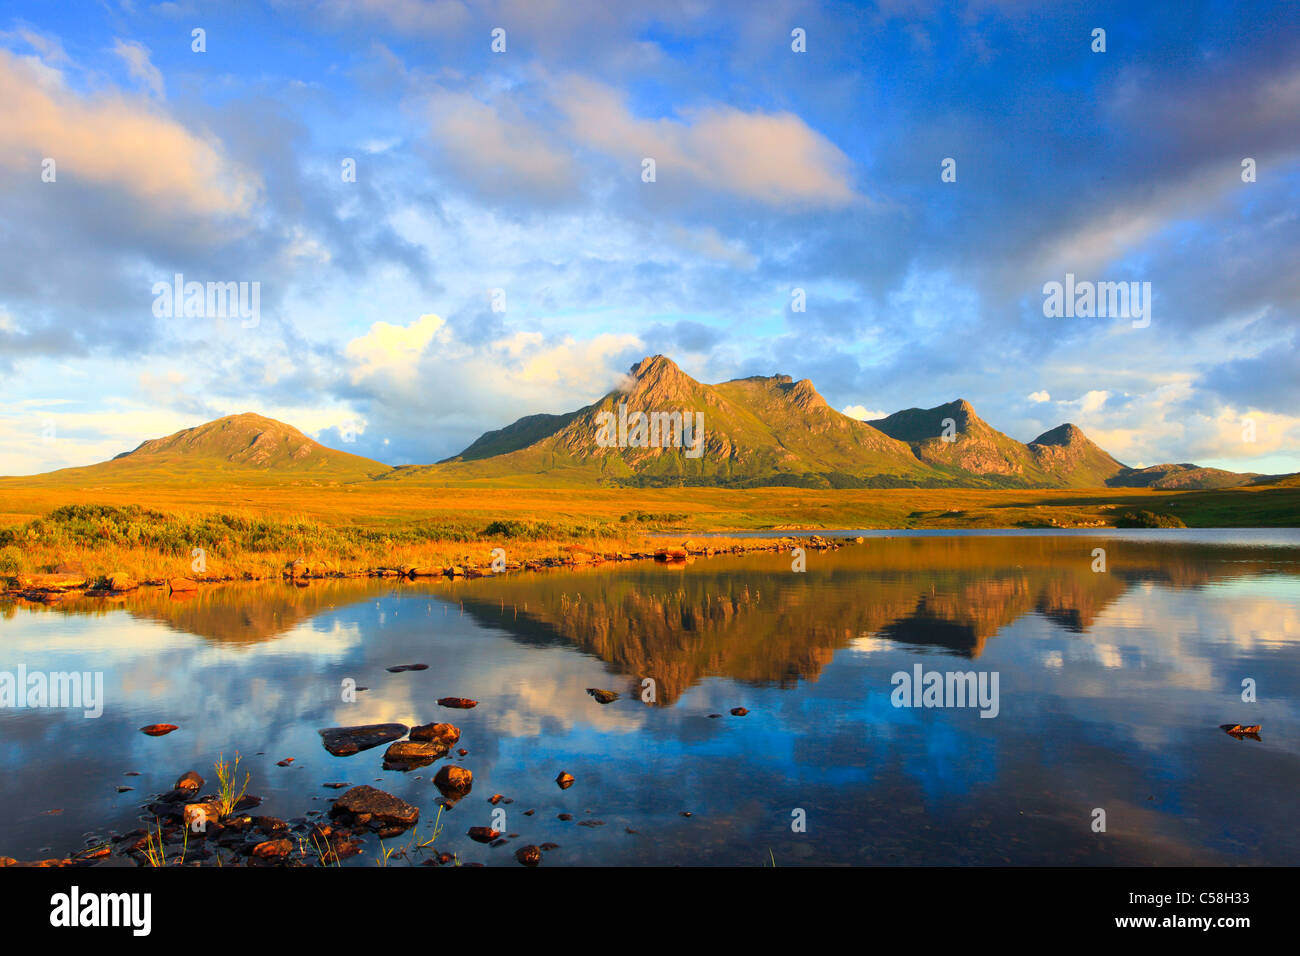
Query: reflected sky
point(1112, 687)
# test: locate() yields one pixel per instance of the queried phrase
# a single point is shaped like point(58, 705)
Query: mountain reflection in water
point(1113, 685)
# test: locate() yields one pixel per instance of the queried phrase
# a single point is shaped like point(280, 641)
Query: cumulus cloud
point(497, 150)
point(114, 140)
point(862, 413)
point(458, 389)
point(1039, 396)
point(773, 158)
point(392, 351)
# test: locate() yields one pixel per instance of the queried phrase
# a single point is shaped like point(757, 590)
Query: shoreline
point(51, 587)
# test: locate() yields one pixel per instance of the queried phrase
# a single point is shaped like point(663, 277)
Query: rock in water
point(528, 855)
point(602, 696)
point(738, 712)
point(447, 733)
point(464, 703)
point(454, 780)
point(378, 805)
point(344, 741)
point(565, 780)
point(189, 780)
point(157, 730)
point(408, 754)
point(1241, 730)
point(483, 834)
point(272, 849)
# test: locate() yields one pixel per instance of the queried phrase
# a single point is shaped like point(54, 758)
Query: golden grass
point(373, 509)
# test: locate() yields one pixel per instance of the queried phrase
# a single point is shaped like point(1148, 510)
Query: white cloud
point(775, 158)
point(139, 65)
point(392, 351)
point(1039, 396)
point(861, 413)
point(120, 142)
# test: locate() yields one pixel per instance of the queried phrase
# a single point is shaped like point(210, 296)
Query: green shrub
point(1148, 519)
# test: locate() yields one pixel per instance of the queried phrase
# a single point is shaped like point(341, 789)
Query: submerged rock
point(345, 741)
point(398, 668)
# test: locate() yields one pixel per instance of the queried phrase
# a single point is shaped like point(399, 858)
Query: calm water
point(1112, 687)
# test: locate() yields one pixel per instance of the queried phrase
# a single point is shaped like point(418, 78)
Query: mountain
point(769, 430)
point(1176, 477)
point(775, 431)
point(247, 446)
point(757, 431)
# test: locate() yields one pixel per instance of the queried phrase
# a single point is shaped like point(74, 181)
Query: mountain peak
point(1067, 434)
point(920, 424)
point(655, 366)
point(657, 381)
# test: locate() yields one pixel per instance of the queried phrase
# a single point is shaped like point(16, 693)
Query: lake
point(1111, 686)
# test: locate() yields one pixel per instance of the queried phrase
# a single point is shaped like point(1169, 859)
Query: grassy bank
point(255, 530)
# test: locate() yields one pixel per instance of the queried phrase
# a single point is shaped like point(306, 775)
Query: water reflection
point(1114, 686)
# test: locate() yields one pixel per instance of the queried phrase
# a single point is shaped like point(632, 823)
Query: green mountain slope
point(756, 430)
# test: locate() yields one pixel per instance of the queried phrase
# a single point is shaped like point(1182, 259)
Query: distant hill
point(249, 446)
point(953, 436)
point(1173, 477)
point(757, 431)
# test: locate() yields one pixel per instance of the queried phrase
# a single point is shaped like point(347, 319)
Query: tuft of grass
point(154, 851)
point(226, 774)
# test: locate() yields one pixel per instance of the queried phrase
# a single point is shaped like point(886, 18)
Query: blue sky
point(521, 172)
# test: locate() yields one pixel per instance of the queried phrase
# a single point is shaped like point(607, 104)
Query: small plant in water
point(437, 832)
point(226, 774)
